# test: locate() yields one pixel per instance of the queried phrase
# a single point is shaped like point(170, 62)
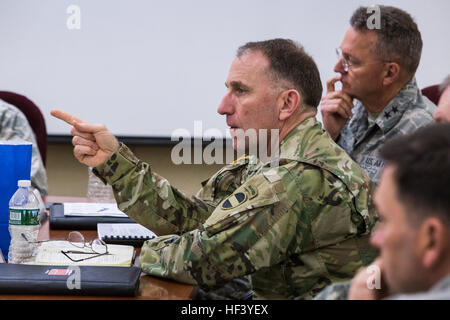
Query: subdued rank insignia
point(234, 200)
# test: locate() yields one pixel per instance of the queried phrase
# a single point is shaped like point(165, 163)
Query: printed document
point(92, 209)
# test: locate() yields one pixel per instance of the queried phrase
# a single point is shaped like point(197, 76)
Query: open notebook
point(50, 253)
point(132, 234)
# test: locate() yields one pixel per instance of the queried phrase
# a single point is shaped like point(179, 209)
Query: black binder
point(135, 242)
point(54, 280)
point(59, 221)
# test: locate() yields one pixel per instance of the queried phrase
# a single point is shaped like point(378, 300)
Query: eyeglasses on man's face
point(346, 64)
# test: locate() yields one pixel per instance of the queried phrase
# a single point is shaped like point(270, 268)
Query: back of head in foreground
point(413, 201)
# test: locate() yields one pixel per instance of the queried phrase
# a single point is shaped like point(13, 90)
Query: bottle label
point(24, 217)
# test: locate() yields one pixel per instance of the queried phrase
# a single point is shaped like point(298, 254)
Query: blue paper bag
point(15, 164)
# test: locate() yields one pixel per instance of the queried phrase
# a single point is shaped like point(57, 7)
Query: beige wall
point(67, 177)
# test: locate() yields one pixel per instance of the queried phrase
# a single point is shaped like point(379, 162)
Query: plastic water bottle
point(23, 224)
point(97, 190)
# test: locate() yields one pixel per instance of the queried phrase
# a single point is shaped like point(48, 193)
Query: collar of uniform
point(359, 121)
point(394, 110)
point(309, 143)
point(294, 143)
point(442, 285)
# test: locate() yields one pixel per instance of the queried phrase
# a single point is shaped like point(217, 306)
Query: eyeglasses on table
point(96, 247)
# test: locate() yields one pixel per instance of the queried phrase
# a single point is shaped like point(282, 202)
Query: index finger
point(64, 116)
point(331, 82)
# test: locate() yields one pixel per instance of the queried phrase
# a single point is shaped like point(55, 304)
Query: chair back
point(433, 93)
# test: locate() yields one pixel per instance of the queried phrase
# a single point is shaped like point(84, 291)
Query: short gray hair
point(399, 39)
point(288, 61)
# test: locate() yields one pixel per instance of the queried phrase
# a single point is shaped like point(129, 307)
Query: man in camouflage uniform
point(380, 98)
point(294, 226)
point(13, 126)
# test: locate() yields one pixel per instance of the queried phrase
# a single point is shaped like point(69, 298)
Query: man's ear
point(289, 102)
point(433, 236)
point(392, 73)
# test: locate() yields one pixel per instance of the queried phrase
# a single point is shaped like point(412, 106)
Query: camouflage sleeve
point(249, 230)
point(149, 198)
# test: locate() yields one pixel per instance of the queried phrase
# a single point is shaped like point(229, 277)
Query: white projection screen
point(145, 68)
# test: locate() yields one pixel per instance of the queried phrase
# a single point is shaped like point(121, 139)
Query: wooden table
point(149, 287)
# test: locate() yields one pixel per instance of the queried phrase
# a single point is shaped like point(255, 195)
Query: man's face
point(397, 239)
point(250, 101)
point(442, 113)
point(364, 76)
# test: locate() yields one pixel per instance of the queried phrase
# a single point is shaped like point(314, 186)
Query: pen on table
point(170, 240)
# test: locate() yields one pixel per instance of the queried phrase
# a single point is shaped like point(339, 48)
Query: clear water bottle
point(23, 224)
point(97, 190)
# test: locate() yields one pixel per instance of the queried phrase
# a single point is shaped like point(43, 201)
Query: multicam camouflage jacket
point(408, 111)
point(13, 126)
point(295, 227)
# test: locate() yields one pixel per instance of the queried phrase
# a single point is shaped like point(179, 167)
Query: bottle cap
point(24, 183)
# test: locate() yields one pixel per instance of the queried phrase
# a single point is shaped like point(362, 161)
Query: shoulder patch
point(234, 200)
point(256, 193)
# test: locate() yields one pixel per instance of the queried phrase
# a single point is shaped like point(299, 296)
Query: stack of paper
point(92, 209)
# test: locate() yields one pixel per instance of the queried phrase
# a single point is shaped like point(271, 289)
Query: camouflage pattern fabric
point(408, 111)
point(335, 291)
point(236, 289)
point(294, 228)
point(440, 291)
point(339, 291)
point(14, 126)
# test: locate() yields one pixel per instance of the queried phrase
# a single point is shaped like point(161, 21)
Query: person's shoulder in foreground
point(14, 126)
point(413, 234)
